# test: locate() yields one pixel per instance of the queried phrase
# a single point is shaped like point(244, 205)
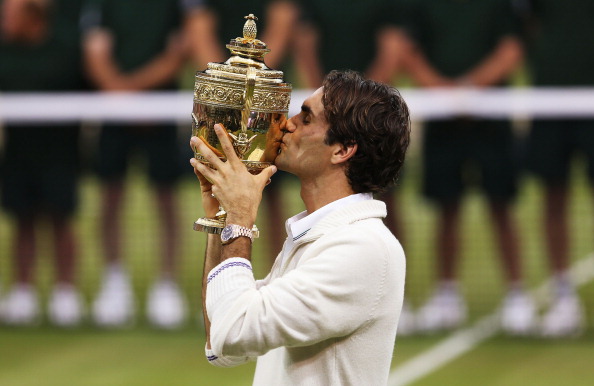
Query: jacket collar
point(348, 214)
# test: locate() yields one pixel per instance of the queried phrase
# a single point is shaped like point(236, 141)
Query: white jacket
point(327, 316)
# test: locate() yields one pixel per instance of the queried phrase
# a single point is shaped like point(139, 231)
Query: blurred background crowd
point(156, 45)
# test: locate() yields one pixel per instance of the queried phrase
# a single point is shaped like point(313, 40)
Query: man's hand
point(99, 41)
point(238, 191)
point(100, 63)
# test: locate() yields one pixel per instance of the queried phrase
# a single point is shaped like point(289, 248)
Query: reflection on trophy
point(249, 99)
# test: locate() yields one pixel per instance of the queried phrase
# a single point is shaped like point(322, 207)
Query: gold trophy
point(249, 99)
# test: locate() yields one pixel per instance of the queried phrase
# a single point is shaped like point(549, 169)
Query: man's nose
point(289, 127)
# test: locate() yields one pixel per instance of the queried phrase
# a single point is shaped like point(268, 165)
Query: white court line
point(466, 339)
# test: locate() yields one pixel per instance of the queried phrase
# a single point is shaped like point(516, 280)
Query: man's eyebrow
point(306, 109)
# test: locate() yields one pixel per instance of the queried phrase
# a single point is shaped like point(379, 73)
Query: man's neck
point(322, 191)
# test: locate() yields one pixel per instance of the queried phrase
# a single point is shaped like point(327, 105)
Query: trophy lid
point(248, 45)
point(246, 51)
point(228, 84)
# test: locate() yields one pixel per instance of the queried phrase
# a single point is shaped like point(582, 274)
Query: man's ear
point(343, 153)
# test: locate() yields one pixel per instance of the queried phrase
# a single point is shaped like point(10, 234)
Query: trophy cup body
point(248, 99)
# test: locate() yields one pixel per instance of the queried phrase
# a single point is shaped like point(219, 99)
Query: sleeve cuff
point(228, 264)
point(231, 277)
point(223, 361)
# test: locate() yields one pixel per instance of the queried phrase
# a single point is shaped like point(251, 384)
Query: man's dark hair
point(375, 117)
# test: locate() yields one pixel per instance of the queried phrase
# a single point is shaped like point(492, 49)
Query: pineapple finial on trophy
point(249, 28)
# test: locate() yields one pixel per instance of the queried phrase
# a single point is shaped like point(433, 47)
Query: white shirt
point(298, 225)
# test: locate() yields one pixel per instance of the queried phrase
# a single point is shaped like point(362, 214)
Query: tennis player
point(327, 312)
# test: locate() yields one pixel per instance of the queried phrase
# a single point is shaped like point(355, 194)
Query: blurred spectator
point(136, 45)
point(210, 26)
point(365, 36)
point(360, 35)
point(561, 37)
point(40, 51)
point(468, 44)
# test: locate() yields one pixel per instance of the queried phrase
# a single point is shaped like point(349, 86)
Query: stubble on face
point(302, 145)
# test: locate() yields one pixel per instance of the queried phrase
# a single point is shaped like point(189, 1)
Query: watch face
point(227, 233)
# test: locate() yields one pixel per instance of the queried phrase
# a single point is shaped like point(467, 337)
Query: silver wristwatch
point(232, 231)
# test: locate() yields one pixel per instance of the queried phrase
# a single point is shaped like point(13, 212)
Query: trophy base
point(215, 226)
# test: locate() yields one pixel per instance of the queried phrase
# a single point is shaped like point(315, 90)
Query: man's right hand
point(238, 191)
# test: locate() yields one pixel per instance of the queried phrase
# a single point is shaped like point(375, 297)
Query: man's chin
point(279, 163)
point(279, 166)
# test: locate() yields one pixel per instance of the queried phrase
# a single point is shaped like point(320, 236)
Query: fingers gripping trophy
point(249, 100)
